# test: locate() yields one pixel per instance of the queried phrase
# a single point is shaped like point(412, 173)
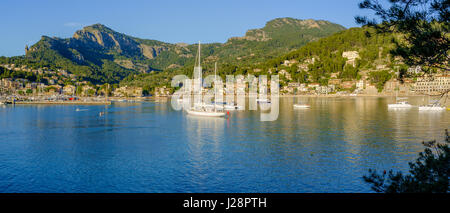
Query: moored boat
point(400, 104)
point(301, 106)
point(432, 107)
point(205, 109)
point(205, 113)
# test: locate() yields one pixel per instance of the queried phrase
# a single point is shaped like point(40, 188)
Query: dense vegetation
point(100, 55)
point(327, 52)
point(424, 27)
point(5, 73)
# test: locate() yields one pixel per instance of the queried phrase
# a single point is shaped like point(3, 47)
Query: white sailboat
point(202, 109)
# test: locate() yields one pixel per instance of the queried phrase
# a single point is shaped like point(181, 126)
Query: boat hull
point(425, 108)
point(399, 106)
point(206, 114)
point(301, 106)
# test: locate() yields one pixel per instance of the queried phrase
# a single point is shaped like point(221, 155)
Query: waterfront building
point(334, 81)
point(347, 84)
point(432, 84)
point(313, 85)
point(360, 84)
point(325, 89)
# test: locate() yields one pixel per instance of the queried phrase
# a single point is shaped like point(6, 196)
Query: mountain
point(350, 54)
point(99, 54)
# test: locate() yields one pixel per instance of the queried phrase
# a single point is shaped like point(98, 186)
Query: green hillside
point(315, 62)
point(101, 55)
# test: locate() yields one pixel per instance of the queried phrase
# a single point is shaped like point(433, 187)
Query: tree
point(429, 174)
point(423, 26)
point(379, 78)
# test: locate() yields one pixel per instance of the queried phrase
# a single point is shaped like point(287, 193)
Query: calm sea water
point(149, 147)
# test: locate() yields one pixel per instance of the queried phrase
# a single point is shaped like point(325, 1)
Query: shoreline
point(63, 102)
point(359, 95)
point(333, 96)
point(157, 99)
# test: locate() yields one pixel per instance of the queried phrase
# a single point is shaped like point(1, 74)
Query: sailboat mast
point(200, 79)
point(215, 86)
point(199, 52)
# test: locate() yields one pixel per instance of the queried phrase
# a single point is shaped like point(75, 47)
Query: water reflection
point(149, 147)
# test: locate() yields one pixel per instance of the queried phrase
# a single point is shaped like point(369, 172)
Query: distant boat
point(302, 106)
point(435, 106)
point(400, 104)
point(78, 110)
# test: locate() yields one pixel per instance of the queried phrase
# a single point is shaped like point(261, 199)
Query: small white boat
point(432, 107)
point(400, 104)
point(302, 106)
point(205, 113)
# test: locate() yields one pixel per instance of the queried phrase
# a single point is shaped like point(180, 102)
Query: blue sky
point(25, 21)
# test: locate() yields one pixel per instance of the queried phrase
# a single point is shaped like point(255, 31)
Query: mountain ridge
point(96, 50)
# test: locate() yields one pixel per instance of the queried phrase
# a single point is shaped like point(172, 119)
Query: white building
point(430, 85)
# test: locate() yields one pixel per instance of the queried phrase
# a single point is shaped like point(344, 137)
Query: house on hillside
point(126, 91)
point(69, 90)
point(351, 57)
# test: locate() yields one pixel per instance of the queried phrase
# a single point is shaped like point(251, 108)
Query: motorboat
point(400, 104)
